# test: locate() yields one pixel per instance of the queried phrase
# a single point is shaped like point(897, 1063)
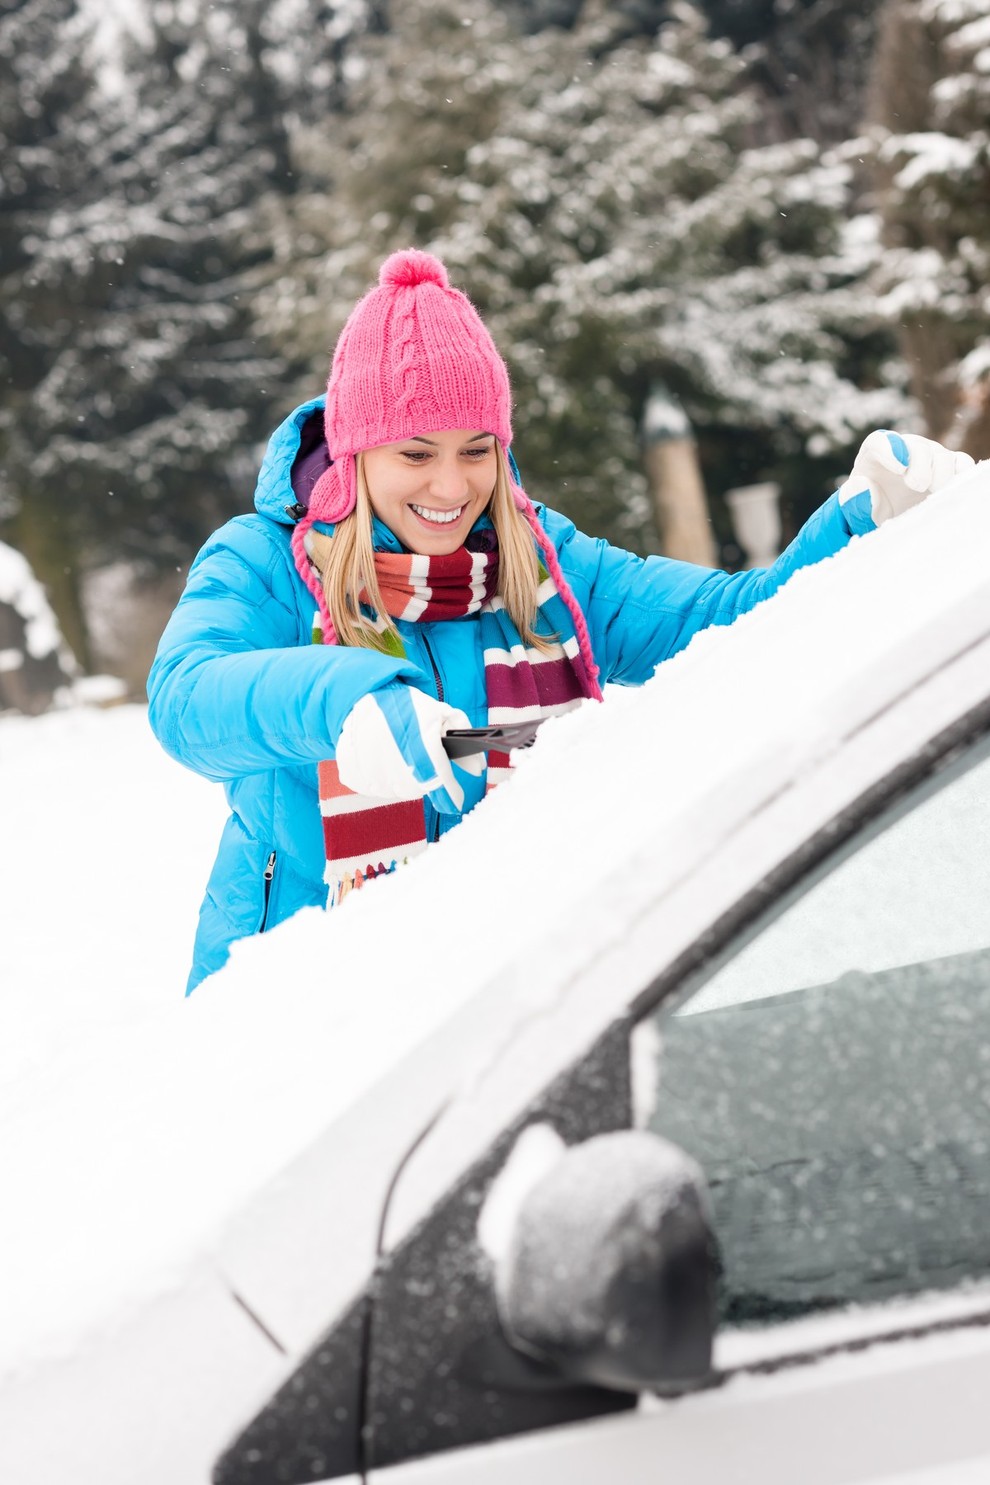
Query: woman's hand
point(391, 747)
point(894, 471)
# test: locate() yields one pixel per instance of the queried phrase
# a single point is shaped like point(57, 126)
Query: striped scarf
point(366, 837)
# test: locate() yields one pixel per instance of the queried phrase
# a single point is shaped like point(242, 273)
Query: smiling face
point(430, 490)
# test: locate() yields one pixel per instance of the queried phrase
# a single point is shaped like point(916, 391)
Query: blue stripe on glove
point(396, 703)
point(899, 448)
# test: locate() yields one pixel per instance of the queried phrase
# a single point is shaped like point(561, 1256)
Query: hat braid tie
point(564, 589)
point(310, 577)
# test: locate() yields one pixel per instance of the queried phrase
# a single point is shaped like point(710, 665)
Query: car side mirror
point(609, 1273)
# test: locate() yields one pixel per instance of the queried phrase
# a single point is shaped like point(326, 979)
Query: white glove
point(390, 747)
point(894, 471)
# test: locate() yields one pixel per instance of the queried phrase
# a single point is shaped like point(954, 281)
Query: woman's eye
point(479, 453)
point(415, 456)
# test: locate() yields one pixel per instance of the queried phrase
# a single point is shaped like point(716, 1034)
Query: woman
point(443, 599)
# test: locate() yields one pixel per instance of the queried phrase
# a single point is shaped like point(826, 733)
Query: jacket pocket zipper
point(268, 874)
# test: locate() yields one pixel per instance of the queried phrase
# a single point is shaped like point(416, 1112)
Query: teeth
point(439, 517)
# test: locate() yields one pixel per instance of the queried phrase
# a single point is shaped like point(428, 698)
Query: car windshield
point(832, 1072)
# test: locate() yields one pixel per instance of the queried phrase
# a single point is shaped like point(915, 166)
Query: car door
point(824, 1054)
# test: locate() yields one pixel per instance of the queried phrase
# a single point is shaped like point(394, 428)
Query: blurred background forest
point(775, 212)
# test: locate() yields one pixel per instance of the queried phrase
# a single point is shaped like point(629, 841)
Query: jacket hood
point(295, 458)
point(293, 462)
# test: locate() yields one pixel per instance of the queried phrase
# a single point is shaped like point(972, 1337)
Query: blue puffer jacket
point(240, 694)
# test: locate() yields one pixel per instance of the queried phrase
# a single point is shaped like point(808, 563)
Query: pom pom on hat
point(410, 267)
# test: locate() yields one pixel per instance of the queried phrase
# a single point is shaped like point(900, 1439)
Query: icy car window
point(915, 891)
point(832, 1075)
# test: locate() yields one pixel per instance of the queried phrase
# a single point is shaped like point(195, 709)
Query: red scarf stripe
point(397, 825)
point(427, 589)
point(552, 682)
point(350, 821)
point(414, 589)
point(499, 769)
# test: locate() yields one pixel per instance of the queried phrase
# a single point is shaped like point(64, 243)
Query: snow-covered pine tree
point(319, 264)
point(138, 429)
point(810, 61)
point(603, 199)
point(308, 48)
point(46, 88)
point(931, 151)
point(166, 380)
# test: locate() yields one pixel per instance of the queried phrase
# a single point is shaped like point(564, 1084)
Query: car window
point(831, 1071)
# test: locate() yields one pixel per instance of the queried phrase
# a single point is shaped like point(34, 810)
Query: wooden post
point(670, 455)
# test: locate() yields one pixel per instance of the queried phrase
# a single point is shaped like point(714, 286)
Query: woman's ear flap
point(335, 493)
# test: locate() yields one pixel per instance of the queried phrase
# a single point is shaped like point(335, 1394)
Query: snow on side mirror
point(608, 1274)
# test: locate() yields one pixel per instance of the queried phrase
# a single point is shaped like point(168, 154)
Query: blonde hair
point(347, 566)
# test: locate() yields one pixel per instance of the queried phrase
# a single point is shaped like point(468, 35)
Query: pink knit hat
point(414, 357)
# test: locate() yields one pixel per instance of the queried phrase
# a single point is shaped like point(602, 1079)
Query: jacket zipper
point(269, 874)
point(439, 685)
point(436, 671)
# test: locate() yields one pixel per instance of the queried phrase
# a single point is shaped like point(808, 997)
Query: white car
point(693, 1183)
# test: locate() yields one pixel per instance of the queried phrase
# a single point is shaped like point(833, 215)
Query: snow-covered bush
point(34, 660)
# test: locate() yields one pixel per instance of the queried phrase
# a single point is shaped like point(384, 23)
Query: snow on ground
point(106, 840)
point(133, 1122)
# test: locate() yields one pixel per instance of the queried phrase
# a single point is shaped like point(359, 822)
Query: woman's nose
point(447, 481)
